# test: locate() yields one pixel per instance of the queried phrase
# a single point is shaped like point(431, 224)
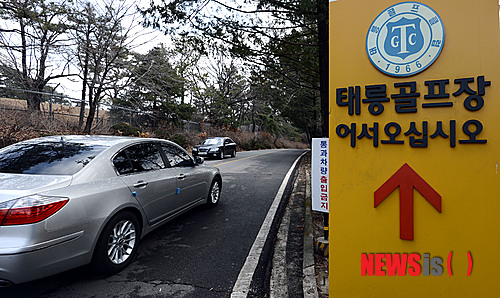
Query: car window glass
point(47, 158)
point(176, 156)
point(145, 157)
point(212, 142)
point(122, 163)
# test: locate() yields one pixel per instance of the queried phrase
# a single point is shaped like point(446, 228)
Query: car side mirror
point(199, 160)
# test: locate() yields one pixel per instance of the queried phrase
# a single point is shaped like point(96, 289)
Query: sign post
point(414, 148)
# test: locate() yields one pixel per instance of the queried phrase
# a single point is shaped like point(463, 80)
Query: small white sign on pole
point(320, 174)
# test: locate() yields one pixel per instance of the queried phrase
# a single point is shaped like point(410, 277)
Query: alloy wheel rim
point(121, 242)
point(215, 192)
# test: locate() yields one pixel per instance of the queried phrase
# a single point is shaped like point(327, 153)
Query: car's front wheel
point(221, 154)
point(214, 193)
point(118, 243)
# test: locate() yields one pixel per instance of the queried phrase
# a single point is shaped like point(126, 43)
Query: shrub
point(184, 138)
point(125, 129)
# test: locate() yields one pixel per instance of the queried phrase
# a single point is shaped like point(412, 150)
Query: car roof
point(90, 139)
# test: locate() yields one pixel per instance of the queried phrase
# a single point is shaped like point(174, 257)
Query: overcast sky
point(144, 39)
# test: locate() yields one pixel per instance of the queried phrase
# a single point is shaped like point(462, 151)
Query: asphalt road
point(199, 254)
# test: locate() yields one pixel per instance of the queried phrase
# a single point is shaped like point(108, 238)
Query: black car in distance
point(216, 147)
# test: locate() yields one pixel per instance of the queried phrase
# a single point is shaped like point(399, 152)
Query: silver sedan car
point(66, 201)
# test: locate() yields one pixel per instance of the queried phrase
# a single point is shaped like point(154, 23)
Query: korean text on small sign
point(320, 174)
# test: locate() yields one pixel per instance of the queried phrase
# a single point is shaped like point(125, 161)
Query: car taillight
point(30, 209)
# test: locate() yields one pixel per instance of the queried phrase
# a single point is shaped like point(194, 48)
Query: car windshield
point(212, 142)
point(47, 158)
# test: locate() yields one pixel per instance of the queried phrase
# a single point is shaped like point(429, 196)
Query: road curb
point(278, 282)
point(280, 285)
point(243, 284)
point(309, 282)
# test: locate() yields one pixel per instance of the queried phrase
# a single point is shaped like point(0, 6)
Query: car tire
point(233, 153)
point(117, 245)
point(213, 196)
point(221, 154)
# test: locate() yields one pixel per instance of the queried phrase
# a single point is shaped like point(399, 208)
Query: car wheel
point(117, 245)
point(221, 154)
point(233, 153)
point(214, 193)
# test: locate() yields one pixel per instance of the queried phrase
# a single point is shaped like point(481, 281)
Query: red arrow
point(407, 179)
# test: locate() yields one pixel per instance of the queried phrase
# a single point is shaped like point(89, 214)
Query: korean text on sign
point(406, 100)
point(320, 174)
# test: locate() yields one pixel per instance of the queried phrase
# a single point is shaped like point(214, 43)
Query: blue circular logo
point(405, 39)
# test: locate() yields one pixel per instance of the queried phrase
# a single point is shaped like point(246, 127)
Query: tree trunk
point(24, 49)
point(33, 101)
point(90, 119)
point(92, 108)
point(322, 6)
point(84, 90)
point(253, 118)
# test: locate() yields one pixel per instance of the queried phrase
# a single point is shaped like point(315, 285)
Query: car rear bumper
point(30, 265)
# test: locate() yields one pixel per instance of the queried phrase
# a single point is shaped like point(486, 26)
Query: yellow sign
point(415, 148)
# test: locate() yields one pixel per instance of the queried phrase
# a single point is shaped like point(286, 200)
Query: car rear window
point(47, 158)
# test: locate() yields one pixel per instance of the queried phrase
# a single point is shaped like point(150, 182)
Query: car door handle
point(182, 176)
point(141, 184)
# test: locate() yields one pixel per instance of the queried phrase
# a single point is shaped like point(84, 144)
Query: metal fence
point(63, 111)
point(58, 108)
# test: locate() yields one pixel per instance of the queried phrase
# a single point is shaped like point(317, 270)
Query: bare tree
point(32, 40)
point(84, 23)
point(104, 36)
point(222, 94)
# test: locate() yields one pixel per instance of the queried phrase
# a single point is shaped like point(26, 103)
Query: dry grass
point(18, 124)
point(66, 110)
